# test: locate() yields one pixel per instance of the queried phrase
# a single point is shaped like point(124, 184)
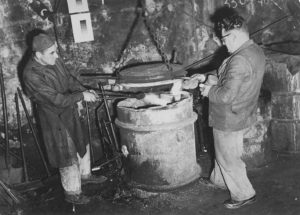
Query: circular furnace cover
point(149, 73)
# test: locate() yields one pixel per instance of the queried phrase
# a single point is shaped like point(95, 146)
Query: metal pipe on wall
point(5, 118)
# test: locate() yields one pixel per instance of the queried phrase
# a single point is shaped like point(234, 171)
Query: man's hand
point(80, 108)
point(199, 77)
point(211, 80)
point(89, 96)
point(194, 81)
point(204, 89)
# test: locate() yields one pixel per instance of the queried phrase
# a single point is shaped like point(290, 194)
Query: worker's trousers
point(71, 175)
point(230, 170)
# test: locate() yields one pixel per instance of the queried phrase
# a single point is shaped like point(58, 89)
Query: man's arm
point(43, 93)
point(225, 92)
point(74, 84)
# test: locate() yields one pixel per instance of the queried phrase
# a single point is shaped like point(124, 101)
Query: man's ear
point(38, 54)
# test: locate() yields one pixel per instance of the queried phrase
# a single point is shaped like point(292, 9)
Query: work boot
point(93, 179)
point(233, 204)
point(78, 199)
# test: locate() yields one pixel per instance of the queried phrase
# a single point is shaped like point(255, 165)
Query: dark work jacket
point(233, 100)
point(56, 92)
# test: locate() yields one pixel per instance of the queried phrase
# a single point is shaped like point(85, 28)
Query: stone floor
point(277, 185)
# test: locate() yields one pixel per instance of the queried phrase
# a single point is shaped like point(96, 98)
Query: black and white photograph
point(150, 107)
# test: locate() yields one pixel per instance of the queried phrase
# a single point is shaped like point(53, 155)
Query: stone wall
point(117, 40)
point(16, 20)
point(282, 79)
point(182, 26)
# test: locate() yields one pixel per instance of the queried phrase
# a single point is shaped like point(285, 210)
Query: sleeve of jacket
point(74, 84)
point(42, 92)
point(226, 91)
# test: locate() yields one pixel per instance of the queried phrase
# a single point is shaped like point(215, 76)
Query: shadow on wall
point(28, 53)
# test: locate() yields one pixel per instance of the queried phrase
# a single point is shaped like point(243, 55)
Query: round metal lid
point(148, 73)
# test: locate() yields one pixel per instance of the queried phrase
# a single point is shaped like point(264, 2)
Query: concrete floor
point(277, 186)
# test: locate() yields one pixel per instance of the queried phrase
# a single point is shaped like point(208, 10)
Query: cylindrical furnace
point(160, 141)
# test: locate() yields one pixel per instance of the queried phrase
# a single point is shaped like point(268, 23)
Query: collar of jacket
point(35, 63)
point(225, 62)
point(243, 46)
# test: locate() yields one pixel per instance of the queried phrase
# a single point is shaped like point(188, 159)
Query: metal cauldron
point(161, 143)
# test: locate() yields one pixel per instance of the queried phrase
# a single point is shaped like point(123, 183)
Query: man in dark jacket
point(55, 92)
point(233, 98)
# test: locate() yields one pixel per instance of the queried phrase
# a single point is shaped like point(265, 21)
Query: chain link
point(156, 41)
point(119, 65)
point(141, 11)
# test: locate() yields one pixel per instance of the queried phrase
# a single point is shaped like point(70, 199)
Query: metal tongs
point(119, 95)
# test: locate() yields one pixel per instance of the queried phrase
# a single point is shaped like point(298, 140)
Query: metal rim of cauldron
point(136, 74)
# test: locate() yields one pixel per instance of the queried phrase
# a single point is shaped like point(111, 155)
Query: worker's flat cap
point(41, 42)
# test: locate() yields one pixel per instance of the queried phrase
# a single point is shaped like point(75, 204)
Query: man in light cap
point(56, 92)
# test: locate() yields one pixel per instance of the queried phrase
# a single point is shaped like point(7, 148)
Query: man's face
point(228, 39)
point(48, 56)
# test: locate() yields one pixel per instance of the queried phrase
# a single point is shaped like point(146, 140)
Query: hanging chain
point(119, 65)
point(141, 11)
point(156, 40)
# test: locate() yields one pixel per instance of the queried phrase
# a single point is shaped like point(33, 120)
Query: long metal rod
point(106, 162)
point(117, 95)
point(119, 162)
point(10, 193)
point(109, 118)
point(108, 136)
point(98, 75)
point(4, 108)
point(89, 131)
point(21, 139)
point(102, 139)
point(33, 133)
point(267, 26)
